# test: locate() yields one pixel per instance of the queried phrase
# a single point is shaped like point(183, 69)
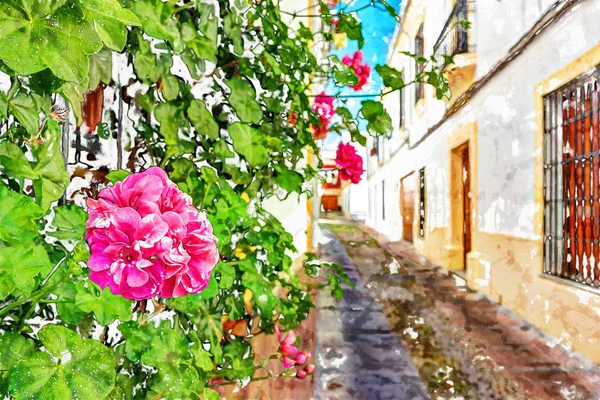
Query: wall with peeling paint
point(506, 260)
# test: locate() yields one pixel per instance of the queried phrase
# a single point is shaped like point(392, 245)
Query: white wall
point(504, 111)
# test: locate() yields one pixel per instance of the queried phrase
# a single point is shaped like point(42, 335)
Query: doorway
point(407, 205)
point(461, 197)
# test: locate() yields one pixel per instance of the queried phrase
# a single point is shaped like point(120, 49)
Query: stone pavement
point(410, 330)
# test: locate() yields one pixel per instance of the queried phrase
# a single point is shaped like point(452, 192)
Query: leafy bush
point(220, 127)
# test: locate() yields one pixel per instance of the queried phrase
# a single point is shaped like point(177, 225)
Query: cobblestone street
point(409, 330)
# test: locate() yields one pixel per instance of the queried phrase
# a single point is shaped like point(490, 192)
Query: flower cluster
point(290, 355)
point(147, 239)
point(323, 106)
point(362, 71)
point(349, 162)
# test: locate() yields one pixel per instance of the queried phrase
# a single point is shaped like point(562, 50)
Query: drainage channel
point(407, 293)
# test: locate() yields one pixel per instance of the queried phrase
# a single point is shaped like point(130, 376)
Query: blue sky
point(378, 28)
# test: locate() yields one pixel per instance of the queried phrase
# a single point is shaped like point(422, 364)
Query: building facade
point(500, 183)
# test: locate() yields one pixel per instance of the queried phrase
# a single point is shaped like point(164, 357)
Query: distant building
point(501, 183)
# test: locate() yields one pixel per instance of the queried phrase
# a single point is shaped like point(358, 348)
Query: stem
point(293, 14)
point(183, 7)
point(260, 378)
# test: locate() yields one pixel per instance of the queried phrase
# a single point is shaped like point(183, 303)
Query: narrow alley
point(410, 330)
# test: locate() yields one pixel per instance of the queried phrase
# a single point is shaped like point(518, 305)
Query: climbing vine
point(218, 95)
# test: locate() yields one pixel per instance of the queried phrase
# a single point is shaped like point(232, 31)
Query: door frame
point(401, 206)
point(466, 135)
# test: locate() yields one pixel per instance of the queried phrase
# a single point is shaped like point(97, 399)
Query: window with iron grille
point(422, 202)
point(420, 52)
point(572, 181)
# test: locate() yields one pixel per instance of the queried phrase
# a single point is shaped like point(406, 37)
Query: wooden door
point(407, 206)
point(466, 195)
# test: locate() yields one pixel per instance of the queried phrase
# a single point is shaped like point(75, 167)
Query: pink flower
point(147, 239)
point(288, 349)
point(310, 368)
point(301, 374)
point(324, 107)
point(303, 357)
point(349, 162)
point(362, 71)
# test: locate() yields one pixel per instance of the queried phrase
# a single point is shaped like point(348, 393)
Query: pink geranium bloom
point(350, 163)
point(147, 239)
point(362, 71)
point(324, 107)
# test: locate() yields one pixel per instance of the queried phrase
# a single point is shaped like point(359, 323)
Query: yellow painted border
point(577, 67)
point(466, 133)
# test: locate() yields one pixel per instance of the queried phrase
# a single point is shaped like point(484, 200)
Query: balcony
point(456, 40)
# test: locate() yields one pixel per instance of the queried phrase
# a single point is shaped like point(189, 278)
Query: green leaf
point(379, 121)
point(86, 369)
point(157, 21)
point(137, 339)
point(175, 382)
point(288, 180)
point(201, 46)
point(107, 307)
point(250, 143)
point(13, 162)
point(100, 69)
point(25, 109)
point(392, 78)
point(349, 25)
point(69, 222)
point(345, 77)
point(52, 177)
point(227, 273)
point(202, 358)
point(3, 105)
point(209, 394)
point(17, 216)
point(233, 29)
point(74, 92)
point(170, 117)
point(169, 346)
point(109, 20)
point(117, 175)
point(66, 307)
point(202, 119)
point(243, 100)
point(19, 265)
point(54, 35)
point(13, 348)
point(144, 60)
point(169, 85)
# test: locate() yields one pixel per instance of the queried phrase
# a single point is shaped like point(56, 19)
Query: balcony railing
point(455, 38)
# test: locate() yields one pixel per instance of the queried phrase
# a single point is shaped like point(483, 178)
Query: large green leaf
point(86, 368)
point(39, 34)
point(392, 78)
point(157, 21)
point(13, 348)
point(106, 306)
point(379, 121)
point(250, 143)
point(100, 68)
point(175, 382)
point(243, 100)
point(110, 19)
point(137, 339)
point(69, 222)
point(17, 216)
point(19, 265)
point(170, 116)
point(352, 27)
point(13, 162)
point(169, 346)
point(290, 181)
point(202, 46)
point(25, 109)
point(52, 177)
point(202, 119)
